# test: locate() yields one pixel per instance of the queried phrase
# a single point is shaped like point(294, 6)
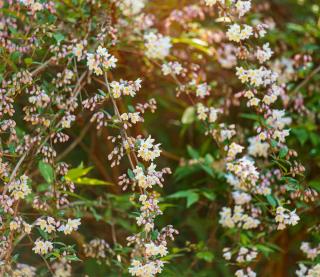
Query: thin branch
point(41, 67)
point(306, 80)
point(74, 143)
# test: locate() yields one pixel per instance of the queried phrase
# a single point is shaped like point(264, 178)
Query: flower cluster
point(131, 7)
point(312, 268)
point(147, 150)
point(125, 88)
point(172, 68)
point(157, 46)
point(100, 60)
point(19, 189)
point(237, 33)
point(42, 247)
point(237, 218)
point(150, 269)
point(285, 217)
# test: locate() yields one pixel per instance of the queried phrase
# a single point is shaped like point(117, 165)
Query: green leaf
point(315, 184)
point(254, 117)
point(131, 109)
point(46, 171)
point(191, 195)
point(192, 198)
point(210, 195)
point(193, 153)
point(78, 172)
point(15, 56)
point(207, 169)
point(154, 235)
point(91, 182)
point(272, 201)
point(188, 116)
point(266, 250)
point(283, 152)
point(206, 256)
point(274, 143)
point(28, 61)
point(185, 171)
point(102, 93)
point(301, 134)
point(130, 174)
point(295, 27)
point(208, 159)
point(43, 234)
point(58, 37)
point(315, 138)
point(73, 258)
point(199, 44)
point(42, 187)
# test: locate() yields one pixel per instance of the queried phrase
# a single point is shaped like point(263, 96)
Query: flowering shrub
point(146, 138)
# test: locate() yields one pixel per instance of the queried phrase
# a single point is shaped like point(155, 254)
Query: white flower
point(34, 6)
point(19, 188)
point(135, 117)
point(210, 3)
point(213, 114)
point(202, 90)
point(226, 219)
point(233, 150)
point(172, 68)
point(147, 150)
point(101, 60)
point(24, 270)
point(131, 7)
point(202, 111)
point(286, 217)
point(41, 99)
point(314, 271)
point(154, 250)
point(253, 102)
point(125, 88)
point(273, 94)
point(27, 228)
point(281, 135)
point(302, 270)
point(243, 7)
point(258, 148)
point(227, 253)
point(67, 120)
point(264, 54)
point(246, 255)
point(246, 173)
point(241, 198)
point(238, 218)
point(146, 180)
point(257, 77)
point(70, 226)
point(48, 225)
point(235, 33)
point(227, 55)
point(150, 269)
point(157, 46)
point(278, 120)
point(245, 273)
point(42, 247)
point(78, 50)
point(14, 225)
point(250, 222)
point(311, 253)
